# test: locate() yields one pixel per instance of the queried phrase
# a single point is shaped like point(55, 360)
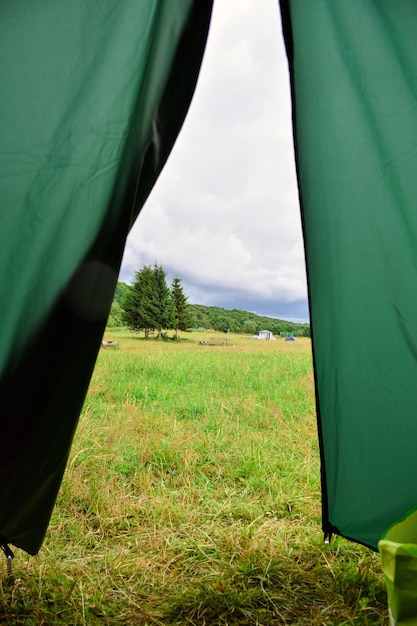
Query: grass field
point(192, 496)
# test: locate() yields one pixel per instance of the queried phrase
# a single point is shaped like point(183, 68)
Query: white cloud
point(224, 214)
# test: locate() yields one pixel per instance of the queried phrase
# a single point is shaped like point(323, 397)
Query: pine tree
point(163, 308)
point(136, 302)
point(148, 303)
point(183, 316)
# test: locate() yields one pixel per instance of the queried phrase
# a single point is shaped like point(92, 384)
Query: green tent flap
point(93, 95)
point(354, 82)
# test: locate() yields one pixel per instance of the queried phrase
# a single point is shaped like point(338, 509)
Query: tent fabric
point(353, 68)
point(92, 97)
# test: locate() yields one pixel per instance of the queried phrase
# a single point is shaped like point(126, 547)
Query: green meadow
point(192, 496)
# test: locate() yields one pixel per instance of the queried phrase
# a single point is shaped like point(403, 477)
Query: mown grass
point(192, 496)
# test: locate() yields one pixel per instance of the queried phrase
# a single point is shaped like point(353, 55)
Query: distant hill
point(238, 321)
point(222, 320)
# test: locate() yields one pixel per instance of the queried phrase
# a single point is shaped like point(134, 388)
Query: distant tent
point(266, 334)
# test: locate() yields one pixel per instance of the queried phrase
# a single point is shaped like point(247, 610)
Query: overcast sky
point(224, 214)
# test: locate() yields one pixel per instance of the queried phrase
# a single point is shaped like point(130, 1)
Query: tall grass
point(192, 496)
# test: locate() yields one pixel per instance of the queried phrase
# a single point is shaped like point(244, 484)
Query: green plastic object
point(398, 550)
point(93, 95)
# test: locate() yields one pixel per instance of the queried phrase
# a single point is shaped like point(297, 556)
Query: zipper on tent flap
point(9, 556)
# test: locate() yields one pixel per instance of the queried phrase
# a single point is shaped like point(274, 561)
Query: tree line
point(244, 322)
point(151, 305)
